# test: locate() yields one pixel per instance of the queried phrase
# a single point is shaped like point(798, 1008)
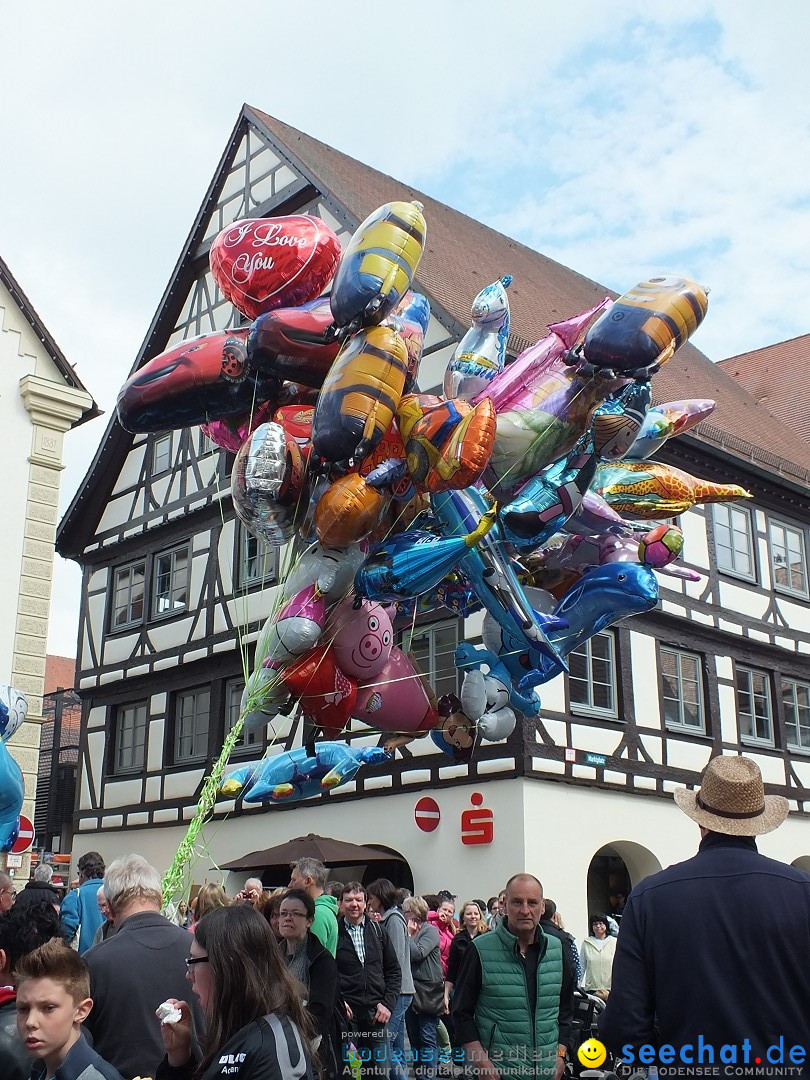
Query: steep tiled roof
point(60, 673)
point(777, 377)
point(463, 255)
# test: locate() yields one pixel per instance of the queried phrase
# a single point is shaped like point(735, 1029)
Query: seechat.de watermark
point(702, 1058)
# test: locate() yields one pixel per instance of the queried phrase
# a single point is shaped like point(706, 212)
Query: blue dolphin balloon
point(487, 567)
point(600, 598)
point(12, 790)
point(298, 775)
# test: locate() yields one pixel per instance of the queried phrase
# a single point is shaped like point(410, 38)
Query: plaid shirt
point(357, 934)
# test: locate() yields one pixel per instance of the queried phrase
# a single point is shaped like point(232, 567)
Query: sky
point(621, 139)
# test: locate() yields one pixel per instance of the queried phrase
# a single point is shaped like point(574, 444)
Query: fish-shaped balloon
point(481, 353)
point(665, 421)
point(649, 489)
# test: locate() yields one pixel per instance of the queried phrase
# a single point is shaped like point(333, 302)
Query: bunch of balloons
point(527, 490)
point(13, 711)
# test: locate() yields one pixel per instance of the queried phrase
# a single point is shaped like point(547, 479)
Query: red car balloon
point(201, 379)
point(294, 342)
point(266, 263)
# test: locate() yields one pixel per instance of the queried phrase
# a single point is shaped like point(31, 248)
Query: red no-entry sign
point(427, 814)
point(25, 837)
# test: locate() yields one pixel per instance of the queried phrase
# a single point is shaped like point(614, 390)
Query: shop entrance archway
point(614, 870)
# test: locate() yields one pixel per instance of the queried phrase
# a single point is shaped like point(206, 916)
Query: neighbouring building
point(58, 757)
point(43, 398)
point(776, 376)
point(171, 584)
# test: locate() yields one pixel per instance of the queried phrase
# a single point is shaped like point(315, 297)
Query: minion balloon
point(378, 266)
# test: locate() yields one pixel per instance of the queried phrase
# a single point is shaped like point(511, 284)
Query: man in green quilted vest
point(512, 1004)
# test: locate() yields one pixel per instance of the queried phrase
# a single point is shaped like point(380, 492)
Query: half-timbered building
point(174, 592)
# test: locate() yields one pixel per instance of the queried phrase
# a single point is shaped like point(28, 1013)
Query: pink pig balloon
point(396, 700)
point(362, 638)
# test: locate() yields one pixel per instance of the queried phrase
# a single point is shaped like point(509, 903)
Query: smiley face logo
point(592, 1054)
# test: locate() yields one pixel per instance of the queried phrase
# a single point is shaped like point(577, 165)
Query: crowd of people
point(322, 979)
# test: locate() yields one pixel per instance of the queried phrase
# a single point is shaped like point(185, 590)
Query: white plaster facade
point(41, 399)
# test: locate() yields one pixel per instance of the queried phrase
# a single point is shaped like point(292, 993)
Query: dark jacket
point(131, 973)
point(35, 892)
point(716, 946)
point(378, 981)
point(568, 943)
point(15, 1062)
point(269, 1048)
point(458, 950)
point(322, 1004)
point(81, 1063)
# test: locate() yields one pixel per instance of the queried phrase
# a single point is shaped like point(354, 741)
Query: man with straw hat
point(712, 967)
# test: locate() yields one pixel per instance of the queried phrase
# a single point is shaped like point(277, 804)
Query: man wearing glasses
point(7, 894)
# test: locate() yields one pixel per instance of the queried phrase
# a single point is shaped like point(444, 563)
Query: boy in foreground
point(53, 1000)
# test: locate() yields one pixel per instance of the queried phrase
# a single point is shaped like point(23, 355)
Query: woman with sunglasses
point(251, 1002)
point(315, 967)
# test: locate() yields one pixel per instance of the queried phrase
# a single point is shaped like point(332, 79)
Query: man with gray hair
point(252, 892)
point(311, 875)
point(7, 894)
point(132, 972)
point(40, 889)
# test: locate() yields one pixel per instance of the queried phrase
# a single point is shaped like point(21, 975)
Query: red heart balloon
point(327, 695)
point(266, 263)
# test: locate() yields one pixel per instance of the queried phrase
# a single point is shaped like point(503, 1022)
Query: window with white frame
point(754, 707)
point(682, 689)
point(130, 738)
point(434, 647)
point(205, 446)
point(592, 675)
point(258, 562)
point(233, 707)
point(170, 582)
point(796, 701)
point(161, 453)
point(734, 540)
point(127, 595)
point(788, 559)
point(192, 712)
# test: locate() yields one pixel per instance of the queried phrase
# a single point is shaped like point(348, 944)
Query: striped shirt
point(357, 934)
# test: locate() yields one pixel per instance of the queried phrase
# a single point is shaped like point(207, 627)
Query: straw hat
point(732, 799)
